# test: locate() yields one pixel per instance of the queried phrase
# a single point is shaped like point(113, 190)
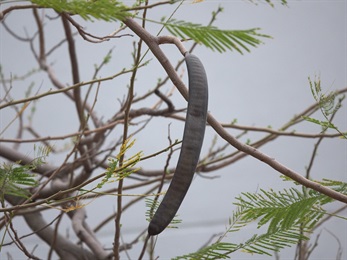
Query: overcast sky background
point(265, 87)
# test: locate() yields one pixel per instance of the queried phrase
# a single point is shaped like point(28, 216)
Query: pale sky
point(265, 87)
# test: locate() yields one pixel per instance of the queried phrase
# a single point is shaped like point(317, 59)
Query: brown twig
point(144, 7)
point(152, 43)
point(15, 7)
point(74, 68)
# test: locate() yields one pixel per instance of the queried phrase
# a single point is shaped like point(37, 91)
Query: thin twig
point(125, 137)
point(159, 54)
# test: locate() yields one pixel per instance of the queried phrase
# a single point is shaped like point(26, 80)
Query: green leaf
point(214, 38)
point(329, 105)
point(152, 205)
point(282, 209)
point(107, 10)
point(13, 177)
point(290, 214)
point(324, 124)
point(117, 172)
point(283, 2)
point(219, 250)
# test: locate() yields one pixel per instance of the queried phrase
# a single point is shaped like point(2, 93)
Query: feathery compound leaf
point(107, 10)
point(283, 2)
point(117, 172)
point(214, 38)
point(264, 244)
point(290, 214)
point(329, 104)
point(275, 240)
point(11, 176)
point(324, 124)
point(336, 185)
point(282, 209)
point(219, 250)
point(236, 222)
point(14, 178)
point(152, 206)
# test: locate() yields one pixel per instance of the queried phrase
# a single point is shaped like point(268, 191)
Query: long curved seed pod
point(193, 136)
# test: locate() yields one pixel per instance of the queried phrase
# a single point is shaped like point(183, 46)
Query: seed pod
point(193, 136)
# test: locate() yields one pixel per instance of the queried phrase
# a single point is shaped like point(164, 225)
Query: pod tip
point(153, 230)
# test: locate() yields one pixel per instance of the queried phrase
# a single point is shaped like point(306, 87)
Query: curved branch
point(86, 235)
point(62, 246)
point(16, 7)
point(256, 129)
point(137, 8)
point(152, 43)
point(74, 68)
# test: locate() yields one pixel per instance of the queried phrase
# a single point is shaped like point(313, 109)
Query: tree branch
point(152, 43)
point(64, 248)
point(84, 233)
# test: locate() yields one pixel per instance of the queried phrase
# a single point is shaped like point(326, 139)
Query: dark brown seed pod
point(193, 136)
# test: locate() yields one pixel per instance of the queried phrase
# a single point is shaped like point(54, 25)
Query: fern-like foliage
point(115, 170)
point(263, 244)
point(11, 177)
point(329, 104)
point(283, 2)
point(112, 10)
point(107, 10)
point(214, 38)
point(282, 209)
point(152, 205)
point(14, 178)
point(289, 214)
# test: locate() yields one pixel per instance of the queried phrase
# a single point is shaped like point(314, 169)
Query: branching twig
point(15, 7)
point(152, 43)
